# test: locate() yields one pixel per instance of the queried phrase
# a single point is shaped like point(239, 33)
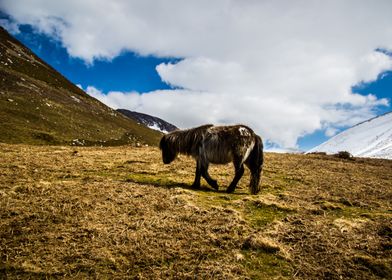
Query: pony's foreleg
point(196, 183)
point(239, 171)
point(204, 172)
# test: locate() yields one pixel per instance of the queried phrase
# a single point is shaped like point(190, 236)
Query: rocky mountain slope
point(39, 106)
point(149, 121)
point(371, 138)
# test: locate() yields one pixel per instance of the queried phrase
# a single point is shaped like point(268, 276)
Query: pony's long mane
point(186, 141)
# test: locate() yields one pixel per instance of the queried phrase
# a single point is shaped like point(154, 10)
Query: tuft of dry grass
point(118, 212)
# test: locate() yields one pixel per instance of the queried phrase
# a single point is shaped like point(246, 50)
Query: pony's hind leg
point(255, 181)
point(255, 175)
point(239, 171)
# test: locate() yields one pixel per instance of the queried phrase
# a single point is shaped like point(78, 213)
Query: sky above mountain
point(297, 72)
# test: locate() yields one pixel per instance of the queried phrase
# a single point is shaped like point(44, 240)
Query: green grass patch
point(263, 265)
point(260, 214)
point(341, 211)
point(210, 198)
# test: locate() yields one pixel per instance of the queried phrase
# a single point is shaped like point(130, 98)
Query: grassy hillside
point(120, 213)
point(39, 106)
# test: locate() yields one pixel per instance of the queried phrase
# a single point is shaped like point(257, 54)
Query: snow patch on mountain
point(155, 126)
point(149, 121)
point(371, 138)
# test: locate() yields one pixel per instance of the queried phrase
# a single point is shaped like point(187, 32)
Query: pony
point(218, 145)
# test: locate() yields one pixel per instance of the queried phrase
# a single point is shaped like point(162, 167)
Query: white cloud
point(187, 108)
point(331, 131)
point(284, 67)
point(10, 26)
point(115, 99)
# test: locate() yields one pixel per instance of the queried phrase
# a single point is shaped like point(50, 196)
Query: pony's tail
point(256, 159)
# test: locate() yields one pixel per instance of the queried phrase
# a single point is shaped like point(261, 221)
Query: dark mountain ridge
point(148, 120)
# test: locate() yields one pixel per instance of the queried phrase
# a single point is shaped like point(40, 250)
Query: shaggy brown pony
point(221, 145)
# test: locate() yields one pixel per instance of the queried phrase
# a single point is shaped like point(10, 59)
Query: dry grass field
point(119, 213)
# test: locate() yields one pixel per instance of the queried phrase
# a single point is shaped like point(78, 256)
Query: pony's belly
point(219, 158)
point(220, 161)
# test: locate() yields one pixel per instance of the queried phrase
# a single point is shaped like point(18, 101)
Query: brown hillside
point(119, 213)
point(39, 106)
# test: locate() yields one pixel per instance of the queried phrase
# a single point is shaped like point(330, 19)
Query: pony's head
point(169, 153)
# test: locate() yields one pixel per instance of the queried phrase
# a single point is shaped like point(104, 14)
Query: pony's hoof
point(230, 190)
point(215, 185)
point(195, 186)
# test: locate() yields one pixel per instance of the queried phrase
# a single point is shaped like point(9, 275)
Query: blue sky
point(296, 80)
point(126, 72)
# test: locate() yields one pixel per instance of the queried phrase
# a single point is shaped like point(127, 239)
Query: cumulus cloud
point(284, 67)
point(10, 26)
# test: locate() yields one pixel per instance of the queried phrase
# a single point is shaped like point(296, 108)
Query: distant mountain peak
point(371, 138)
point(149, 121)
